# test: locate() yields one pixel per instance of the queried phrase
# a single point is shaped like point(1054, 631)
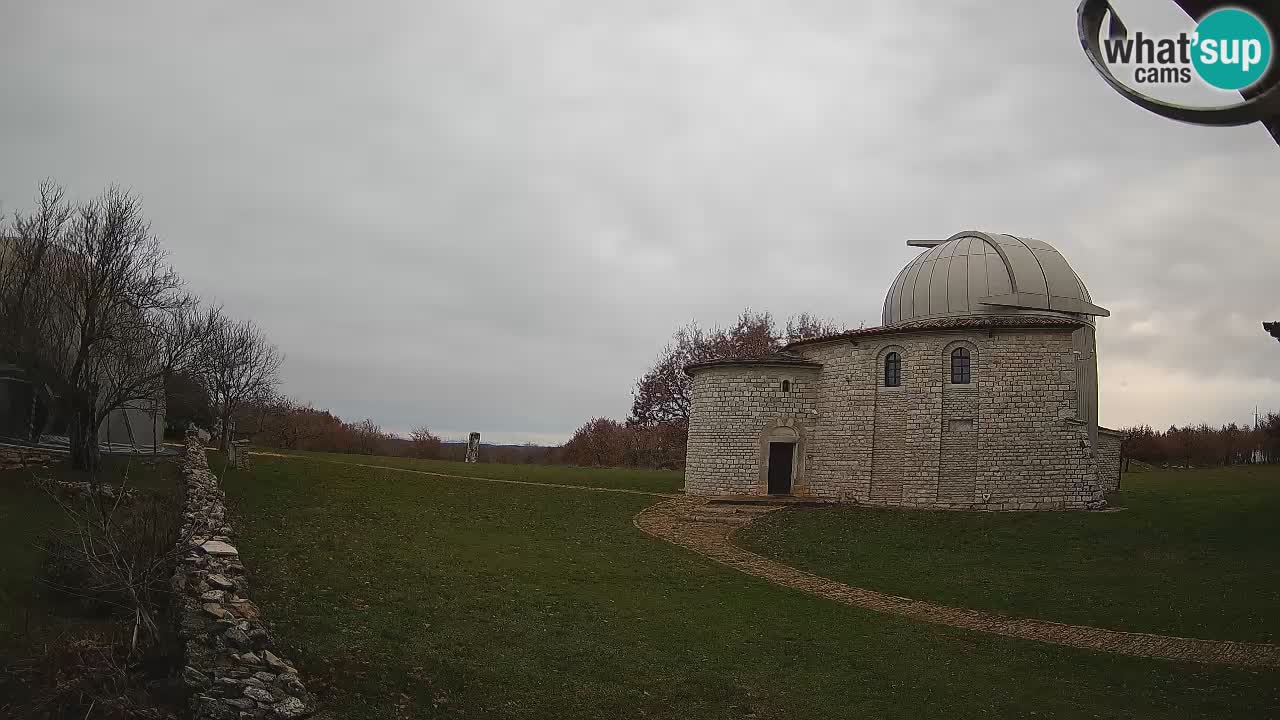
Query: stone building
point(979, 391)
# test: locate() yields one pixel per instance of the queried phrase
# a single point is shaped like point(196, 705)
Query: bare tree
point(600, 442)
point(25, 278)
point(425, 443)
point(289, 424)
point(806, 326)
point(125, 554)
point(26, 283)
point(84, 295)
point(663, 394)
point(184, 337)
point(242, 368)
point(366, 437)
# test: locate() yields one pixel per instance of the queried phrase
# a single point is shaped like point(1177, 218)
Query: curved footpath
point(707, 530)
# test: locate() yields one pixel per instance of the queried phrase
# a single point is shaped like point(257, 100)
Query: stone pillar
point(238, 453)
point(473, 447)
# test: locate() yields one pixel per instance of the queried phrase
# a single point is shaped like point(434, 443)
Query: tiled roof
point(950, 323)
point(783, 357)
point(770, 358)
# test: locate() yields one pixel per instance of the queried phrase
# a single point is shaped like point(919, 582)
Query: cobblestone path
point(708, 529)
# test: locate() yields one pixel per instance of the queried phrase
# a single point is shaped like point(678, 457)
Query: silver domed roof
point(978, 273)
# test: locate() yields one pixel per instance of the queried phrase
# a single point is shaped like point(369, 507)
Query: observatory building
point(979, 391)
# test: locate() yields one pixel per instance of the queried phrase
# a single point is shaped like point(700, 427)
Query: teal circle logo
point(1232, 49)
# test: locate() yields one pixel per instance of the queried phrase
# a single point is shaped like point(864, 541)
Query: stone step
point(730, 520)
point(729, 509)
point(769, 501)
point(718, 513)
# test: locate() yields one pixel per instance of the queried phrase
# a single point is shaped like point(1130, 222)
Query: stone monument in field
point(473, 447)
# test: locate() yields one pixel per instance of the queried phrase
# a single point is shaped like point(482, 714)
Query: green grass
point(659, 481)
point(1193, 553)
point(408, 596)
point(27, 517)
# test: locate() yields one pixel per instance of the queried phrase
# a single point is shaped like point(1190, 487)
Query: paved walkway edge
point(669, 520)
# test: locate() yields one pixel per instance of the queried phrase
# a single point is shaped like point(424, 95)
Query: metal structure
point(1261, 102)
point(978, 273)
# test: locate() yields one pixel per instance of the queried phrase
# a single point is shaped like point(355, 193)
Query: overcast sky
point(491, 215)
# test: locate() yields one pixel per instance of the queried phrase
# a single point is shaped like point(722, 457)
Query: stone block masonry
point(979, 392)
point(238, 454)
point(734, 411)
point(232, 668)
point(1012, 438)
point(1109, 458)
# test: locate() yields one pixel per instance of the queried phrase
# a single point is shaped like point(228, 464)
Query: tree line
point(1202, 445)
point(97, 319)
point(287, 424)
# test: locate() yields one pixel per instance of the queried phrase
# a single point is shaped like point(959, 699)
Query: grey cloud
point(490, 216)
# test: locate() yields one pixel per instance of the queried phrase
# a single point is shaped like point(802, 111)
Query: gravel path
point(708, 530)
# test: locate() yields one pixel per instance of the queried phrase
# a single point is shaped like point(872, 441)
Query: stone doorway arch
point(783, 431)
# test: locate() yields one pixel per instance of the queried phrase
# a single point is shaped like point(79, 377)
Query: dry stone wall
point(1009, 440)
point(232, 668)
point(17, 458)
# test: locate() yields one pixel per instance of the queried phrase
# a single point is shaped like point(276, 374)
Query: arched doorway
point(781, 454)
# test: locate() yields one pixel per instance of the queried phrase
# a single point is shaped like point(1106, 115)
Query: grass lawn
point(659, 481)
point(1193, 553)
point(404, 595)
point(27, 515)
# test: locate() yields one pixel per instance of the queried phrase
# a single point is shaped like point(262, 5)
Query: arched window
point(892, 370)
point(960, 374)
point(786, 386)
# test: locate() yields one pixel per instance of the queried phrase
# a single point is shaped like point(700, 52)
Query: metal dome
point(978, 273)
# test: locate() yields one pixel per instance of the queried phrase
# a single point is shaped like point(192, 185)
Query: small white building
point(27, 413)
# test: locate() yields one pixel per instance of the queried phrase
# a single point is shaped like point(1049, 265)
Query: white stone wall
point(1010, 440)
point(1109, 459)
point(733, 406)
